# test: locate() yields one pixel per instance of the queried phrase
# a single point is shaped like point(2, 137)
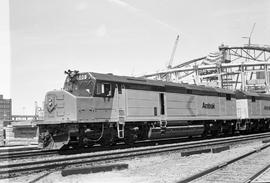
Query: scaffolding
point(243, 68)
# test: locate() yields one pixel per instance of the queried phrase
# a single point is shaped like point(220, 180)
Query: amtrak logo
point(51, 104)
point(208, 106)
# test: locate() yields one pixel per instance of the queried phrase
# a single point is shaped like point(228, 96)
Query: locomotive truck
point(95, 108)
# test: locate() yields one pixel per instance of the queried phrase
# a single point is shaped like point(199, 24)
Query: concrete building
point(5, 108)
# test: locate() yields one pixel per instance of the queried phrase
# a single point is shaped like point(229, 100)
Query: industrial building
point(5, 108)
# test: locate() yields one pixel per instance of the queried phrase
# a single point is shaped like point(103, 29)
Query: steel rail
point(144, 143)
point(12, 170)
point(25, 154)
point(221, 166)
point(4, 150)
point(257, 174)
point(37, 152)
point(33, 153)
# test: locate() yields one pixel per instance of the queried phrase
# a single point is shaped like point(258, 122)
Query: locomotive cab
point(79, 84)
point(70, 115)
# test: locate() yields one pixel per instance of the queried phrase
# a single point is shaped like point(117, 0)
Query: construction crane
point(249, 38)
point(169, 66)
point(249, 42)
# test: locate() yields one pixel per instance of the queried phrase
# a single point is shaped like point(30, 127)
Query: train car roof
point(246, 93)
point(143, 81)
point(264, 95)
point(222, 90)
point(200, 87)
point(126, 79)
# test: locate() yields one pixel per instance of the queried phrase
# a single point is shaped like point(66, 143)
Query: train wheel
point(105, 142)
point(109, 137)
point(129, 141)
point(130, 137)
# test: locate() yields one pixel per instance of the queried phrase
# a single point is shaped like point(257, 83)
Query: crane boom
point(249, 38)
point(173, 52)
point(249, 41)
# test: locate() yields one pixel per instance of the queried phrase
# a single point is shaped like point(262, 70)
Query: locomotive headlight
point(50, 102)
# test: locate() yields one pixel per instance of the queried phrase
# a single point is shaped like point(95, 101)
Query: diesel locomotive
point(94, 108)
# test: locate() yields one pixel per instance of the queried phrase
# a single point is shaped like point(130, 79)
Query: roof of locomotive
point(126, 79)
point(246, 95)
point(143, 81)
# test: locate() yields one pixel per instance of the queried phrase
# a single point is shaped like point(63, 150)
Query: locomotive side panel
point(97, 109)
point(231, 108)
point(265, 108)
point(222, 106)
point(201, 102)
point(179, 105)
point(242, 108)
point(208, 106)
point(250, 108)
point(106, 109)
point(254, 106)
point(85, 109)
point(142, 105)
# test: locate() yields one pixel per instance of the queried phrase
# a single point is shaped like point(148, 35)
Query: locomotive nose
point(59, 106)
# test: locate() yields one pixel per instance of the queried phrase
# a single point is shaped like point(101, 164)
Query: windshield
point(80, 84)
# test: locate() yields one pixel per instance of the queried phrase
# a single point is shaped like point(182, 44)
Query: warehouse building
point(5, 108)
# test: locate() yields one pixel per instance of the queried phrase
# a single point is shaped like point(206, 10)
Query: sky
point(4, 50)
point(40, 39)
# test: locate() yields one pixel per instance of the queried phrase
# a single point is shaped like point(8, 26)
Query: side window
point(253, 99)
point(107, 89)
point(104, 89)
point(228, 97)
point(99, 88)
point(119, 89)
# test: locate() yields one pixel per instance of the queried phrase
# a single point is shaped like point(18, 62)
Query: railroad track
point(4, 150)
point(16, 169)
point(26, 154)
point(35, 152)
point(259, 174)
point(242, 169)
point(12, 155)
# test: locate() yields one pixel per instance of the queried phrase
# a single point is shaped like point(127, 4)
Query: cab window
point(104, 89)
